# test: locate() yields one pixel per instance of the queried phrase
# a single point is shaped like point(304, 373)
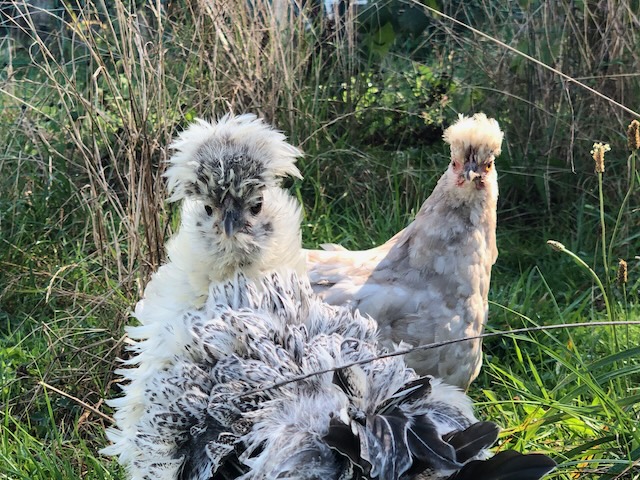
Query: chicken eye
point(488, 165)
point(255, 209)
point(208, 209)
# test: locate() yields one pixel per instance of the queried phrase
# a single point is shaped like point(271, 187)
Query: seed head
point(633, 135)
point(598, 152)
point(622, 276)
point(557, 246)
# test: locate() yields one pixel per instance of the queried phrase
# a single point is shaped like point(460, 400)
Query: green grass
point(26, 456)
point(84, 129)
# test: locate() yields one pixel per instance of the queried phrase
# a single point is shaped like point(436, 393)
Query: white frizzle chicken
point(234, 213)
point(245, 400)
point(235, 217)
point(430, 282)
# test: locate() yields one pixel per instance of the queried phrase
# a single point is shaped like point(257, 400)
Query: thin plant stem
point(632, 166)
point(404, 351)
point(623, 206)
point(603, 232)
point(605, 264)
point(78, 401)
point(559, 247)
point(626, 310)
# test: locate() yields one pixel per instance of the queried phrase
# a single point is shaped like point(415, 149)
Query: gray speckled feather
point(225, 408)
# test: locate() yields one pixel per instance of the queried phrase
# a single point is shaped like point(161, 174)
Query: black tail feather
point(507, 465)
point(341, 438)
point(428, 448)
point(383, 444)
point(470, 442)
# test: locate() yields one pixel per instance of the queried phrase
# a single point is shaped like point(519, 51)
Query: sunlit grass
point(24, 455)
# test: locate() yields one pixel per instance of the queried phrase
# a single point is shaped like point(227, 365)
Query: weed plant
point(91, 94)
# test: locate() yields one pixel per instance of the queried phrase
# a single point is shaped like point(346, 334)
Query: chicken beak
point(232, 222)
point(471, 170)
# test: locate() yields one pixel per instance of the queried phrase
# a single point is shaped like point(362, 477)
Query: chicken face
point(476, 165)
point(475, 142)
point(474, 169)
point(240, 229)
point(235, 214)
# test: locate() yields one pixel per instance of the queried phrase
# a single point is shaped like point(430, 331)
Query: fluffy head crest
point(237, 154)
point(477, 133)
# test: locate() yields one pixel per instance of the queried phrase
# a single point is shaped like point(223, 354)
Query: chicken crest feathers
point(474, 132)
point(254, 150)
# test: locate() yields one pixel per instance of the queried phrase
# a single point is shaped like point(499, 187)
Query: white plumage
point(222, 409)
point(430, 282)
point(233, 213)
point(234, 217)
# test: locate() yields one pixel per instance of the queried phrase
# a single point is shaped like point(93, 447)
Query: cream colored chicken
point(430, 282)
point(235, 219)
